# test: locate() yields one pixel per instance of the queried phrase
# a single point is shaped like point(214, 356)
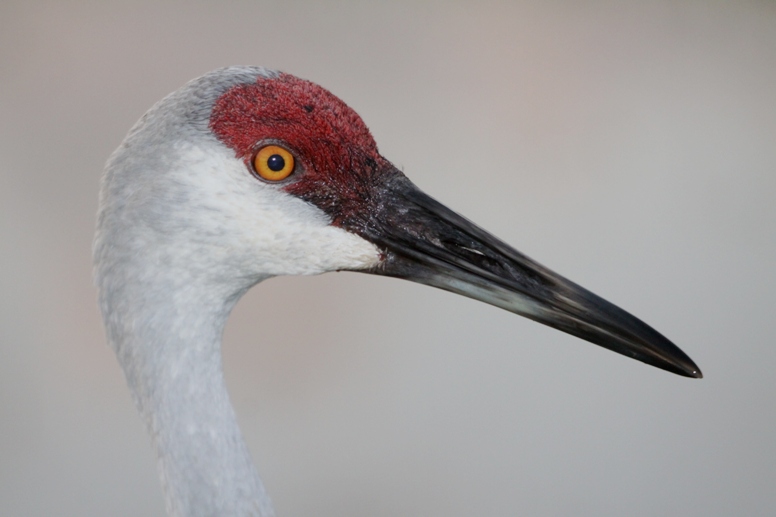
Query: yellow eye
point(273, 163)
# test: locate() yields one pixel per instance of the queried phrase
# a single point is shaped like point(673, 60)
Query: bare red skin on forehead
point(338, 165)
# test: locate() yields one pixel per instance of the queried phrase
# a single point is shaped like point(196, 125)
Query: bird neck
point(168, 341)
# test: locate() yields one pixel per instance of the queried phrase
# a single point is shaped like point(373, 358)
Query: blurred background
point(630, 147)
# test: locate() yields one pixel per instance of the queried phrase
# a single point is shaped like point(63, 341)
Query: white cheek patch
point(309, 251)
point(259, 227)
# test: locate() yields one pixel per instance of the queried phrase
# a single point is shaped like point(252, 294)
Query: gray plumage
point(186, 226)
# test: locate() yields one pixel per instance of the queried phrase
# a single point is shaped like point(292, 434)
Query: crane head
point(247, 173)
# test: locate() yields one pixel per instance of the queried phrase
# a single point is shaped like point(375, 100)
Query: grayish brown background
point(630, 147)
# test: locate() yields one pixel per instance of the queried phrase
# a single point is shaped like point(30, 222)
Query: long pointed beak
point(424, 241)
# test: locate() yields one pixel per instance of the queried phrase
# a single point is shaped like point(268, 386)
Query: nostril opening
point(469, 251)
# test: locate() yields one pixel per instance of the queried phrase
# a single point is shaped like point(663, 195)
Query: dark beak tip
point(683, 366)
point(687, 369)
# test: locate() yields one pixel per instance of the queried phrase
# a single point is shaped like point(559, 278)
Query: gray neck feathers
point(166, 291)
point(165, 326)
point(168, 342)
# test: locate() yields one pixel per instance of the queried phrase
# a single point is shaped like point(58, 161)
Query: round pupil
point(276, 163)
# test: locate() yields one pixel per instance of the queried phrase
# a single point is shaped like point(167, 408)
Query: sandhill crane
point(246, 173)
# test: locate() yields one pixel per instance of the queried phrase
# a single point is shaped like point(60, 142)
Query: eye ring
point(273, 163)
